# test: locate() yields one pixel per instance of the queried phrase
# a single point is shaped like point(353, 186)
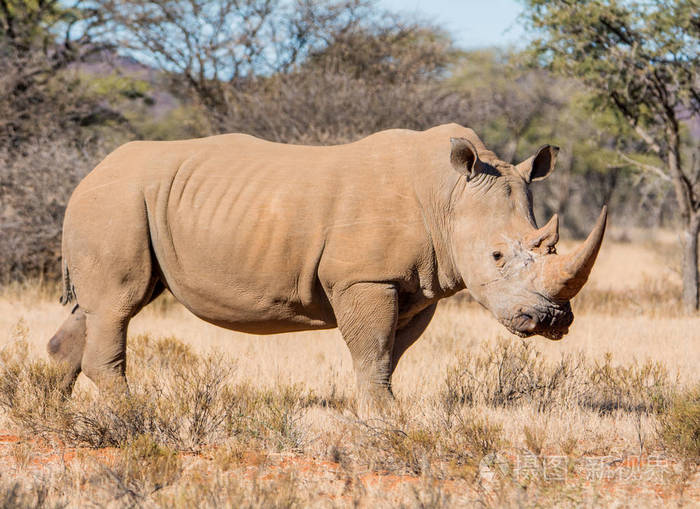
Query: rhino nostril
point(525, 322)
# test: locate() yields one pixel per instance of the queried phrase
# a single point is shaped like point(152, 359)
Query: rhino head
point(508, 264)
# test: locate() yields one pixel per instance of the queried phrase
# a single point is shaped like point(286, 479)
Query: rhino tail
point(68, 290)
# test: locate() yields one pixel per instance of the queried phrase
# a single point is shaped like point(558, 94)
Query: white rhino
point(266, 238)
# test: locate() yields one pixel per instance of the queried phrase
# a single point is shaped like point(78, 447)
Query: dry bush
point(181, 400)
point(635, 387)
point(29, 388)
point(50, 124)
point(507, 374)
point(364, 81)
point(514, 374)
point(480, 436)
point(392, 445)
point(35, 185)
point(320, 108)
point(680, 425)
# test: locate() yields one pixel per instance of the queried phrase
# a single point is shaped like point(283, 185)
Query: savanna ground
point(609, 416)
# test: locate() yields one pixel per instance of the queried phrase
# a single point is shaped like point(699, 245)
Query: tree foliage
point(39, 41)
point(641, 60)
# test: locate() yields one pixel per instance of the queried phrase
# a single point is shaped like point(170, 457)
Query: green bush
point(680, 425)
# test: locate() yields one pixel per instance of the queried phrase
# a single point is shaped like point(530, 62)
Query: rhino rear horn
point(563, 277)
point(546, 237)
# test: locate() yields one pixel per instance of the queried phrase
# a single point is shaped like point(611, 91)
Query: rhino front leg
point(366, 314)
point(409, 333)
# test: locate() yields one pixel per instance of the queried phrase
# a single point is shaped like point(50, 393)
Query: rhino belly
point(242, 259)
point(260, 297)
point(255, 315)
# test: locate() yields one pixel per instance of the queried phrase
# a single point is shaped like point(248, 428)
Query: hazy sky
point(472, 23)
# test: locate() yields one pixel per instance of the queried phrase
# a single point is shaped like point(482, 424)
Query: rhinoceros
point(267, 238)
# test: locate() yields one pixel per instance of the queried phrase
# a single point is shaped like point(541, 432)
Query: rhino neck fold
point(436, 197)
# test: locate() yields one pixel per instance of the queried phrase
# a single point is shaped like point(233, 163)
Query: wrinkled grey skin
point(266, 238)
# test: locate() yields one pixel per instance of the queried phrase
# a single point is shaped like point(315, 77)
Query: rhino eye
point(497, 255)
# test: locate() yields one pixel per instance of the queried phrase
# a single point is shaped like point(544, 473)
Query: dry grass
point(217, 418)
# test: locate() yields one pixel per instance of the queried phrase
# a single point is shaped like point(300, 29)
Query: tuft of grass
point(481, 436)
point(680, 425)
point(278, 416)
point(147, 462)
point(535, 437)
point(140, 469)
point(17, 495)
point(22, 454)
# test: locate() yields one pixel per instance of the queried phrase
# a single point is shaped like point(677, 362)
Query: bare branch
point(647, 167)
point(648, 139)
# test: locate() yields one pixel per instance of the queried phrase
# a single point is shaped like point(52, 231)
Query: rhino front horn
point(563, 277)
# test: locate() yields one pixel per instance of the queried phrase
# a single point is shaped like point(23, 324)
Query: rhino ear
point(464, 158)
point(540, 165)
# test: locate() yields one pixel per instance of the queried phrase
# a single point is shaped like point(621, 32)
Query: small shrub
point(142, 468)
point(276, 418)
point(568, 445)
point(680, 425)
point(481, 436)
point(514, 374)
point(30, 390)
point(505, 375)
point(22, 454)
point(634, 387)
point(229, 456)
point(147, 462)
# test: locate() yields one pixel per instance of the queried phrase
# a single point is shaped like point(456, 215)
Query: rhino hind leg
point(66, 347)
point(104, 357)
point(366, 314)
point(113, 271)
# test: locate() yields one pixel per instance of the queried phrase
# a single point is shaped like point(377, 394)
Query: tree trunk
point(690, 264)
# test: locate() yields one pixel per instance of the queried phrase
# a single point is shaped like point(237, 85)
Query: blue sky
point(472, 23)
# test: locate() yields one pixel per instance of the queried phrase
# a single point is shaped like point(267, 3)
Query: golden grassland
point(607, 416)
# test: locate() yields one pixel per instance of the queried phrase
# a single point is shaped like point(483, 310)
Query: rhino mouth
point(552, 324)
